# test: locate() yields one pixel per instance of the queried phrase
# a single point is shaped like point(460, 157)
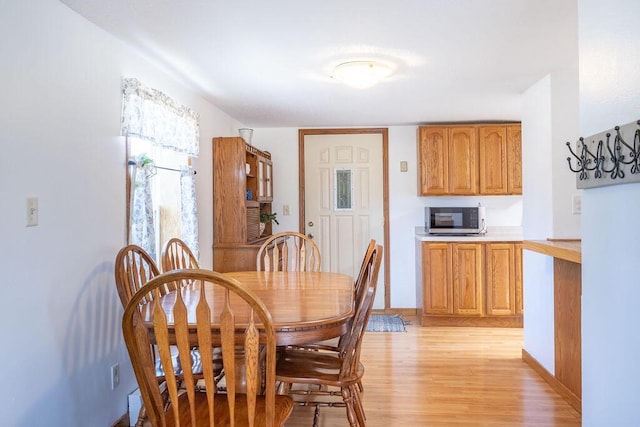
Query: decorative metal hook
point(615, 156)
point(634, 152)
point(581, 161)
point(585, 159)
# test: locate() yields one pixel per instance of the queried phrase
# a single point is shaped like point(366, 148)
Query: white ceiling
point(267, 63)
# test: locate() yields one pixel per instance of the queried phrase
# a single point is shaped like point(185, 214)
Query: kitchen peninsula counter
point(567, 309)
point(568, 250)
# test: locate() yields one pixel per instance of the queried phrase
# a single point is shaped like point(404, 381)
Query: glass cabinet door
point(261, 179)
point(269, 183)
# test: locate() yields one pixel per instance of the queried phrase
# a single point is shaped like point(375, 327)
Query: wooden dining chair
point(288, 251)
point(133, 268)
point(176, 254)
point(333, 373)
point(243, 321)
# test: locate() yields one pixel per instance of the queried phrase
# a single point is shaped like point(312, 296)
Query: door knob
point(310, 236)
point(310, 223)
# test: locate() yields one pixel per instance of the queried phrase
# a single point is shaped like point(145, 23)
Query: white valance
point(153, 116)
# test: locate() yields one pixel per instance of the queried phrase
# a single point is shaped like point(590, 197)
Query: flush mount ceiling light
point(361, 74)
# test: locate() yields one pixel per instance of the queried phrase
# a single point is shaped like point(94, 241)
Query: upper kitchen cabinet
point(448, 160)
point(500, 159)
point(514, 159)
point(469, 160)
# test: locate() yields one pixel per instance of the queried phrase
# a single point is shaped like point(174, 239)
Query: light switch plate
point(576, 204)
point(32, 211)
point(403, 166)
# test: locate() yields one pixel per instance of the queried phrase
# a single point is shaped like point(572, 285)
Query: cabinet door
point(518, 275)
point(467, 279)
point(433, 161)
point(269, 183)
point(463, 160)
point(265, 185)
point(436, 278)
point(493, 159)
point(500, 284)
point(514, 159)
point(261, 178)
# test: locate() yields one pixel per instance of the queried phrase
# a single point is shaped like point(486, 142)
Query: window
point(343, 189)
point(161, 139)
point(165, 181)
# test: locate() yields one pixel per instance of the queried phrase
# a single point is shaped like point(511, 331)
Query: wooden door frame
point(384, 132)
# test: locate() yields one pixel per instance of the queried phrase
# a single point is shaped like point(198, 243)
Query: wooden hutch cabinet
point(473, 159)
point(242, 190)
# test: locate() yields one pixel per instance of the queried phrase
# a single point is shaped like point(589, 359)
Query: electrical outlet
point(115, 376)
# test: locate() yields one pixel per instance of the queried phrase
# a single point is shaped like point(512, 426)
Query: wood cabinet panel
point(467, 273)
point(229, 190)
point(463, 160)
point(228, 258)
point(501, 290)
point(567, 319)
point(514, 159)
point(436, 276)
point(518, 279)
point(433, 174)
point(493, 159)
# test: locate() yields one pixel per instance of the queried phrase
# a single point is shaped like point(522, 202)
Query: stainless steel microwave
point(455, 220)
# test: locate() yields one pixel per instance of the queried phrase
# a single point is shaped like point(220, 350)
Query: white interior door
point(344, 199)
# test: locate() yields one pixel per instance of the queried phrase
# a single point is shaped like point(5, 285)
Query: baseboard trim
point(401, 311)
point(489, 321)
point(569, 396)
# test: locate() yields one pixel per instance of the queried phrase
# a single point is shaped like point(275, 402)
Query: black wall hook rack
point(594, 168)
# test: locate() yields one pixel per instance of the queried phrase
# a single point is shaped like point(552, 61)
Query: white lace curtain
point(153, 116)
point(142, 230)
point(189, 209)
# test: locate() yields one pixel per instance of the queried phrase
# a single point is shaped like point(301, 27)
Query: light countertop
point(493, 234)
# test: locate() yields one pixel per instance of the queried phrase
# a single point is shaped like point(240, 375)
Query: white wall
point(550, 117)
point(610, 95)
point(59, 129)
point(537, 222)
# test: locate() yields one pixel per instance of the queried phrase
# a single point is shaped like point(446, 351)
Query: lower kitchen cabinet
point(466, 274)
point(471, 284)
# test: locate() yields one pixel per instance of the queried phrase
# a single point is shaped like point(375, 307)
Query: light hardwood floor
point(449, 376)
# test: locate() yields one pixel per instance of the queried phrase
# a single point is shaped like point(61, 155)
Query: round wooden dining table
point(306, 307)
